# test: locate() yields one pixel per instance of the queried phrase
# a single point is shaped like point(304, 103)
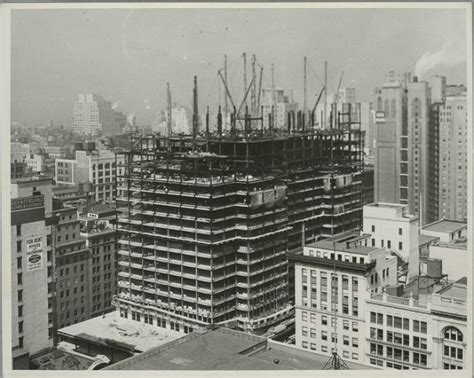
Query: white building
point(393, 228)
point(425, 329)
point(332, 279)
point(94, 115)
point(95, 167)
point(31, 268)
point(450, 246)
point(282, 105)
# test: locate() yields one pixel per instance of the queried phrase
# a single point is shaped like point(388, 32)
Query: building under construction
point(205, 220)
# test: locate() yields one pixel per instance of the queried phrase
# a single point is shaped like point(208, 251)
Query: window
point(304, 344)
point(19, 278)
point(304, 331)
point(324, 320)
point(20, 295)
point(400, 246)
point(20, 311)
point(324, 335)
point(18, 262)
point(18, 230)
point(373, 228)
point(389, 244)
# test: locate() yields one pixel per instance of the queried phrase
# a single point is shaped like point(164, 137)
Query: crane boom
point(226, 88)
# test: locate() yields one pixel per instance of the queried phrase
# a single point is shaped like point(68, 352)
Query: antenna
point(244, 56)
point(253, 95)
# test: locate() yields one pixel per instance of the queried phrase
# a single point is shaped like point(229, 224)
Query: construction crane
point(316, 104)
point(338, 87)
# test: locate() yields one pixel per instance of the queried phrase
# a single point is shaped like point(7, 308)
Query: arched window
point(453, 334)
point(453, 348)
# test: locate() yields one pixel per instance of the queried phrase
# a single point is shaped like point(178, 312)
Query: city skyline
point(122, 61)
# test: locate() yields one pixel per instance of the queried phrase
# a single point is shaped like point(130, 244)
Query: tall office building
point(452, 151)
point(94, 115)
point(402, 116)
point(204, 223)
point(31, 269)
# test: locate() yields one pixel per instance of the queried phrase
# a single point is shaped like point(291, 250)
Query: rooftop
point(62, 359)
point(425, 239)
point(456, 289)
point(445, 225)
point(101, 209)
point(225, 349)
point(344, 243)
point(112, 327)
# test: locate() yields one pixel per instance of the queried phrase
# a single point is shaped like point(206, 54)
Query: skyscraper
point(94, 115)
point(401, 154)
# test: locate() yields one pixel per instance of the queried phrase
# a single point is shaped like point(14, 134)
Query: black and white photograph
point(231, 187)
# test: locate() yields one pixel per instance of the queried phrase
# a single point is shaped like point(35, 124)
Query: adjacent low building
point(332, 279)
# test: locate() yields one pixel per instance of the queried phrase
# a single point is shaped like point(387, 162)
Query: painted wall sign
point(34, 253)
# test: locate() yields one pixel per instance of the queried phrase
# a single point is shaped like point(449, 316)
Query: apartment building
point(332, 279)
point(72, 270)
point(393, 227)
point(32, 299)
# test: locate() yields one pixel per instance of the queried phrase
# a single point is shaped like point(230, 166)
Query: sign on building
point(34, 253)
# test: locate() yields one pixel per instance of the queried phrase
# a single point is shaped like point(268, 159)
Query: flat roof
point(339, 243)
point(425, 239)
point(445, 225)
point(111, 326)
point(386, 205)
point(456, 289)
point(225, 349)
point(57, 359)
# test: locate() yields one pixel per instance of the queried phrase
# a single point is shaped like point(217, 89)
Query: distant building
point(282, 105)
point(95, 167)
point(332, 279)
point(19, 169)
point(56, 152)
point(181, 121)
point(35, 162)
point(94, 115)
point(31, 269)
point(402, 111)
point(452, 155)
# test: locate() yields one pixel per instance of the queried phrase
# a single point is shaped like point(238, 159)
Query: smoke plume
point(449, 55)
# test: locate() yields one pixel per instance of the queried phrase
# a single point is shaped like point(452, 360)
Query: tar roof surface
point(445, 225)
point(220, 349)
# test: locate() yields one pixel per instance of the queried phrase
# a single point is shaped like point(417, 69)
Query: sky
point(128, 56)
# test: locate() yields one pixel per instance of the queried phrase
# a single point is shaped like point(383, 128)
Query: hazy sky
point(128, 56)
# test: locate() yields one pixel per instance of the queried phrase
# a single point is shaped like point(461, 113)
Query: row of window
point(324, 348)
point(399, 354)
point(398, 322)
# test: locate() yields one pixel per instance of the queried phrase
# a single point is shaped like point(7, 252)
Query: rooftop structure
point(224, 349)
point(62, 358)
point(111, 328)
point(205, 220)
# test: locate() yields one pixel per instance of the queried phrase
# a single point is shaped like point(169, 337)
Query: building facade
point(31, 269)
point(452, 176)
point(94, 115)
point(72, 270)
point(101, 241)
point(402, 116)
point(332, 279)
point(391, 226)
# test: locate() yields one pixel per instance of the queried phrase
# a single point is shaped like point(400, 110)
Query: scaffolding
point(205, 221)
